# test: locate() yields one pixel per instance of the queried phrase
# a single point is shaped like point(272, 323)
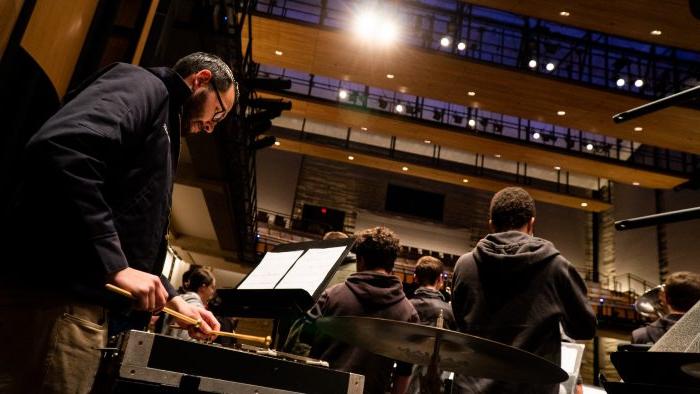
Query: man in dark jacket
point(680, 293)
point(373, 292)
point(516, 289)
point(93, 208)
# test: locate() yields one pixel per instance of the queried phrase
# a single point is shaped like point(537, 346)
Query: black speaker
point(694, 8)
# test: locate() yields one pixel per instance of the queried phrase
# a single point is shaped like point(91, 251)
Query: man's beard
point(192, 113)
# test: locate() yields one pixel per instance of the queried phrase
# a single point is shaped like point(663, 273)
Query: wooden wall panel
point(55, 36)
point(520, 93)
point(345, 116)
point(9, 11)
point(435, 174)
point(145, 31)
point(625, 18)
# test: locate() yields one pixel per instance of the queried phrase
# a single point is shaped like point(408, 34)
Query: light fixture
point(550, 66)
point(471, 123)
point(371, 25)
point(470, 93)
point(635, 183)
point(277, 143)
point(465, 180)
point(557, 168)
point(638, 128)
point(399, 108)
point(536, 135)
point(404, 168)
point(620, 82)
point(462, 46)
point(497, 155)
point(343, 94)
point(589, 146)
point(445, 41)
point(561, 113)
point(388, 32)
point(532, 63)
point(639, 82)
point(655, 32)
point(564, 13)
point(363, 128)
point(584, 204)
point(382, 103)
point(427, 141)
point(278, 53)
point(390, 76)
point(351, 157)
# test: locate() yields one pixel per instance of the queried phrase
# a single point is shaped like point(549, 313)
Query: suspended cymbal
point(462, 353)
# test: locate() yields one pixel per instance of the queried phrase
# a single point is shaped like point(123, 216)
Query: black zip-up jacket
point(96, 184)
point(516, 289)
point(428, 303)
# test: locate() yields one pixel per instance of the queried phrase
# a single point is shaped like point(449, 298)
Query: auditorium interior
point(410, 115)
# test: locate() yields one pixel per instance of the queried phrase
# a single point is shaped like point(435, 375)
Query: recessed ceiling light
point(564, 13)
point(390, 76)
point(445, 41)
point(639, 82)
point(557, 168)
point(462, 46)
point(343, 94)
point(279, 53)
point(561, 113)
point(584, 204)
point(550, 66)
point(351, 157)
point(532, 63)
point(655, 32)
point(471, 93)
point(277, 143)
point(404, 168)
point(427, 141)
point(465, 180)
point(620, 82)
point(363, 128)
point(497, 155)
point(536, 135)
point(589, 146)
point(635, 183)
point(638, 128)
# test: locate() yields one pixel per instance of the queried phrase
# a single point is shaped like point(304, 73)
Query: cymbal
point(461, 353)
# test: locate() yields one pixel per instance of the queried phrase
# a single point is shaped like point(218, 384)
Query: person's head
point(512, 208)
point(202, 282)
point(214, 91)
point(682, 290)
point(376, 249)
point(335, 235)
point(428, 272)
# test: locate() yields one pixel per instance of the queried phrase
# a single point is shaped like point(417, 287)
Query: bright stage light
point(372, 25)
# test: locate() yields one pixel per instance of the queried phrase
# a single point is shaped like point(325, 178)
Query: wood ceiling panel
point(434, 174)
point(519, 93)
point(626, 18)
point(346, 116)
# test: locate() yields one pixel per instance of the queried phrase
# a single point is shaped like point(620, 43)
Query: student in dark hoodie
point(373, 292)
point(516, 289)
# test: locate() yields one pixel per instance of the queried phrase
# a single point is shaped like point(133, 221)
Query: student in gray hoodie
point(372, 291)
point(516, 289)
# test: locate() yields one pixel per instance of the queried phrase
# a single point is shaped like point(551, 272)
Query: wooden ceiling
point(434, 174)
point(520, 93)
point(348, 117)
point(626, 18)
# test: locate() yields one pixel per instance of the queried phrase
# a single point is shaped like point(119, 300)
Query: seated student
point(200, 287)
point(681, 292)
point(516, 289)
point(374, 292)
point(429, 303)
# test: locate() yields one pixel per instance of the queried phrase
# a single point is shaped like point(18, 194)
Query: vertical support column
point(661, 245)
point(595, 254)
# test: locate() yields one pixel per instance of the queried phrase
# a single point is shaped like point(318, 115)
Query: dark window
point(319, 220)
point(415, 202)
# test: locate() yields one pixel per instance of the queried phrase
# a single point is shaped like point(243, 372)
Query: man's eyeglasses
point(218, 115)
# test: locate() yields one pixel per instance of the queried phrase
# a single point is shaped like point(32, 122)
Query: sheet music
point(311, 269)
point(270, 270)
point(568, 359)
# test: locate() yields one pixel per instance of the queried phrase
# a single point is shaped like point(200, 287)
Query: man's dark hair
point(511, 208)
point(220, 71)
point(199, 277)
point(377, 247)
point(682, 290)
point(428, 270)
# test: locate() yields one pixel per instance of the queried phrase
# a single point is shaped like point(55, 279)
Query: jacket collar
point(177, 87)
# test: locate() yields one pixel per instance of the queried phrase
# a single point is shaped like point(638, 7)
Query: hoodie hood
point(375, 289)
point(513, 251)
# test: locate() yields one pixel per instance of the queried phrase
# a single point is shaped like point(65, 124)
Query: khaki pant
point(49, 343)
